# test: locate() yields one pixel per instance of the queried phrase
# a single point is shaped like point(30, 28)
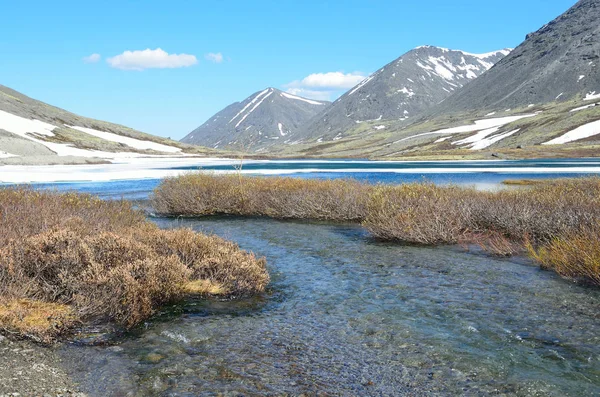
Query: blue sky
point(254, 44)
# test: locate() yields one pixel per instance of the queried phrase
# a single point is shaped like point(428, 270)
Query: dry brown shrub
point(105, 266)
point(202, 194)
point(211, 258)
point(549, 214)
point(420, 213)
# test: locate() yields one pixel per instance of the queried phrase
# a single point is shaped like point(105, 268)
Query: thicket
point(68, 259)
point(556, 221)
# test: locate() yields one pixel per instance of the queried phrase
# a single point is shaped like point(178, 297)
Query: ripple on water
point(349, 316)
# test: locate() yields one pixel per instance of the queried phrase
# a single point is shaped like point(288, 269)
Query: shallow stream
point(346, 315)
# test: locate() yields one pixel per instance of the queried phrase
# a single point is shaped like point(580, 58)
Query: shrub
point(574, 256)
point(89, 265)
point(202, 194)
point(420, 213)
point(555, 215)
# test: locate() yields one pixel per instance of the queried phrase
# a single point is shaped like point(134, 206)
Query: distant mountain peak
point(404, 88)
point(261, 120)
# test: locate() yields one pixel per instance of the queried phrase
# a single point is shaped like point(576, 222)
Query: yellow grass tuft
point(36, 319)
point(204, 287)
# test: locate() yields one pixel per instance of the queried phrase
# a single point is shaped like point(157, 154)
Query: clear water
point(346, 315)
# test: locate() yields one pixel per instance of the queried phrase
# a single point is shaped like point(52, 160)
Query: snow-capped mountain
point(402, 89)
point(265, 118)
point(557, 63)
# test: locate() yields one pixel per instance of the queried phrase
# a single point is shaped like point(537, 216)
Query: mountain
point(402, 89)
point(541, 100)
point(33, 132)
point(557, 63)
point(263, 119)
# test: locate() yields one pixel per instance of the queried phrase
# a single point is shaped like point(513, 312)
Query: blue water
point(455, 172)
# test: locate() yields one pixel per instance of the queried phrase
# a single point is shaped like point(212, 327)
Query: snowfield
point(582, 132)
point(480, 125)
point(131, 142)
point(290, 96)
point(591, 96)
point(24, 127)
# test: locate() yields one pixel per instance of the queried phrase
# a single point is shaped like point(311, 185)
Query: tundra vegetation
point(72, 259)
point(557, 222)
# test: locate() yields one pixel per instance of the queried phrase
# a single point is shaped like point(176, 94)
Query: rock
point(154, 358)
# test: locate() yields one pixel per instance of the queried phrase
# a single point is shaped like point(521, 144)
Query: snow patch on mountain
point(290, 96)
point(585, 131)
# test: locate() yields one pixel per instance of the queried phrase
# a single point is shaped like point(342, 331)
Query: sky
point(165, 67)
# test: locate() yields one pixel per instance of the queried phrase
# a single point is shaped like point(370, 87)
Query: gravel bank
point(31, 370)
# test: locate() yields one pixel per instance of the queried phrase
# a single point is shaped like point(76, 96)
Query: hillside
point(558, 62)
point(33, 132)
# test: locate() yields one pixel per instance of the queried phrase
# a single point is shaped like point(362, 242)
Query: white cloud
point(311, 94)
point(324, 86)
point(332, 80)
point(214, 57)
point(151, 59)
point(92, 58)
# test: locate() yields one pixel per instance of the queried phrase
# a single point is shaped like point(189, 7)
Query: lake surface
point(482, 174)
point(347, 315)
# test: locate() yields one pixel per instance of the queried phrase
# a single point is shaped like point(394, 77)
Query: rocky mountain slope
point(33, 132)
point(542, 100)
point(265, 118)
point(557, 63)
point(402, 89)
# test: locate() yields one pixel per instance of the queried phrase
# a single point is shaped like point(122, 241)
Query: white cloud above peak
point(332, 80)
point(324, 86)
point(151, 59)
point(92, 58)
point(214, 57)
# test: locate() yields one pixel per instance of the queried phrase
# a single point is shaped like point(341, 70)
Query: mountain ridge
point(402, 89)
point(259, 121)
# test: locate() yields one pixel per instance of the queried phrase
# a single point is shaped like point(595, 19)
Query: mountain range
point(402, 89)
point(540, 99)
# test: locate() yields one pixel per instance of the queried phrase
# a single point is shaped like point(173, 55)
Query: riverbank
point(29, 369)
point(545, 219)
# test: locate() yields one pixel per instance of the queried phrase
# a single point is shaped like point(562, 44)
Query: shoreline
point(159, 168)
point(29, 369)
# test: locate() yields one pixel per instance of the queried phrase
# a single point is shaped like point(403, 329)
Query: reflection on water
point(349, 316)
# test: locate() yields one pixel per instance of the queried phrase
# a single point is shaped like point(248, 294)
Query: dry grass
point(574, 256)
point(284, 198)
point(43, 320)
point(542, 214)
point(103, 262)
